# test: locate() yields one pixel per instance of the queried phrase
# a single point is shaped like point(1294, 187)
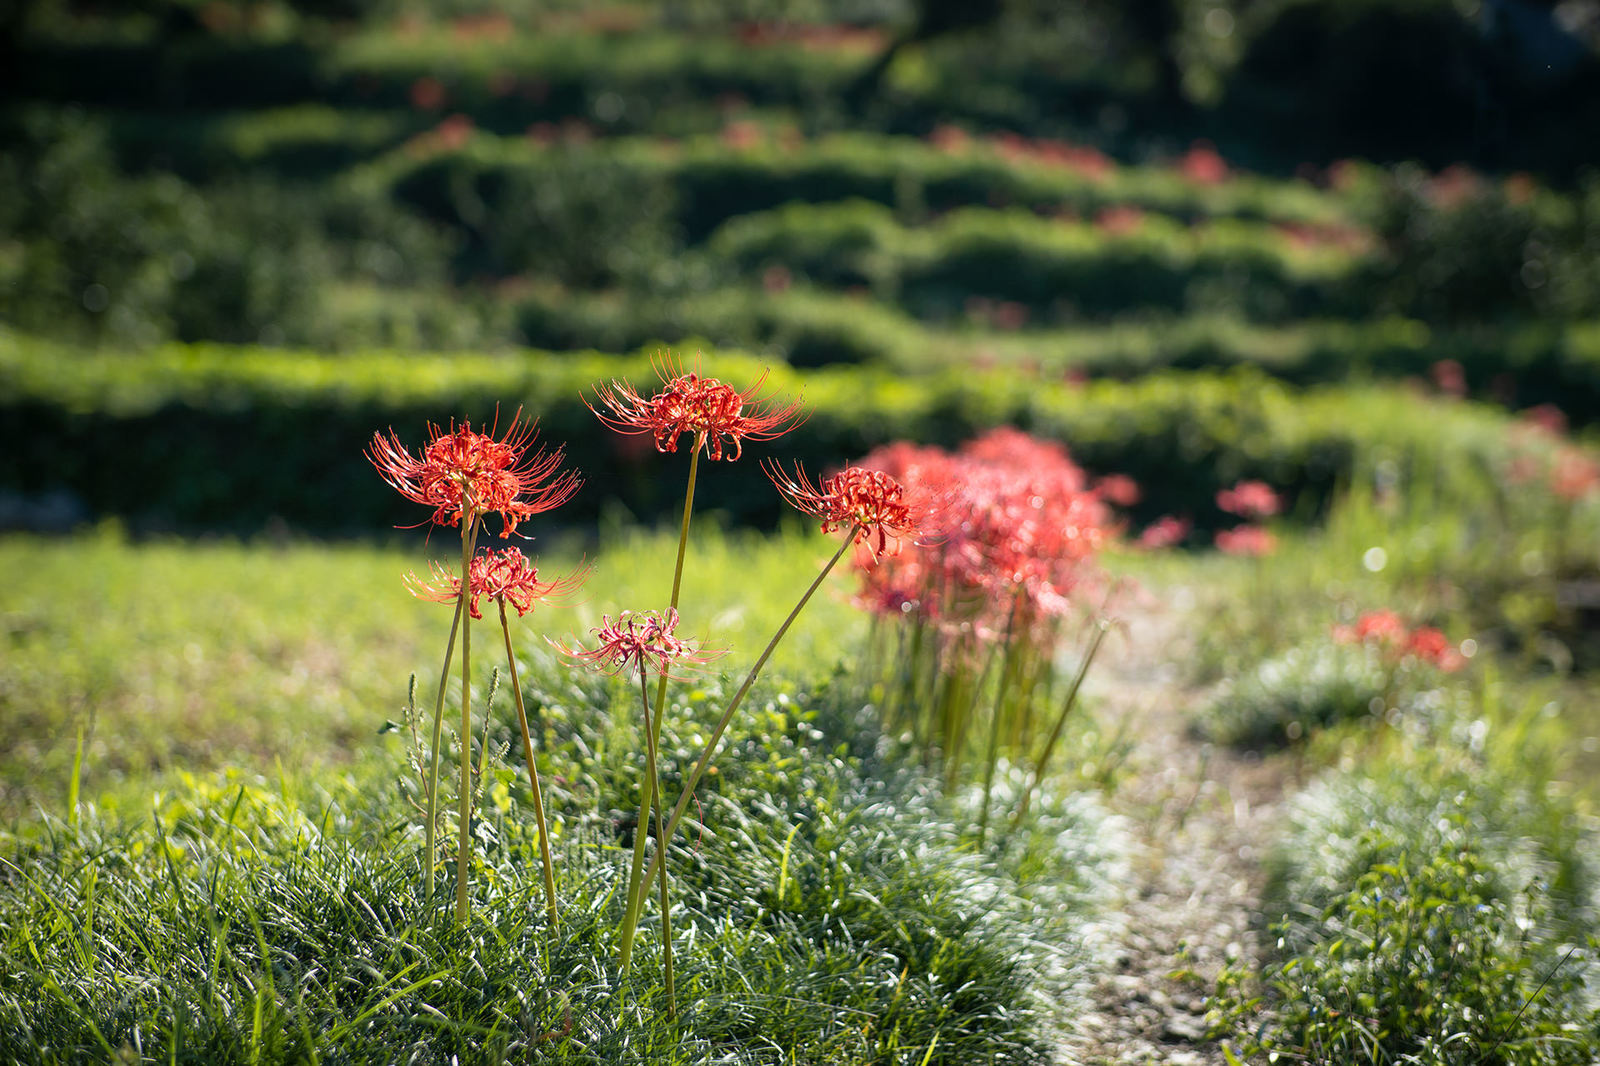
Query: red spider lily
point(1431, 646)
point(506, 576)
point(1203, 165)
point(640, 639)
point(1448, 377)
point(1010, 527)
point(1164, 532)
point(1386, 629)
point(1575, 475)
point(1250, 499)
point(1546, 417)
point(1383, 627)
point(1246, 540)
point(463, 474)
point(713, 412)
point(1118, 489)
point(870, 503)
point(897, 586)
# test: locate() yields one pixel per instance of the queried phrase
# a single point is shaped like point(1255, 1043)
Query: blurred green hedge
point(213, 437)
point(1057, 269)
point(713, 180)
point(1516, 364)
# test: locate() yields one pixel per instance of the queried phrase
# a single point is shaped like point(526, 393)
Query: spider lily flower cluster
point(978, 563)
point(465, 476)
point(1400, 644)
point(968, 619)
point(1251, 501)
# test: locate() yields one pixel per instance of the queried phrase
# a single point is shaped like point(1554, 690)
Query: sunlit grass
point(178, 654)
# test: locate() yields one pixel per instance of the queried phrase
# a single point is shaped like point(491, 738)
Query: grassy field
point(1287, 458)
point(175, 655)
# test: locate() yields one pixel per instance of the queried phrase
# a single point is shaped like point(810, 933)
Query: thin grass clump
point(1438, 909)
point(824, 917)
point(1378, 670)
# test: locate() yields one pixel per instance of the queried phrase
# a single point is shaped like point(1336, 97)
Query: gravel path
point(1201, 817)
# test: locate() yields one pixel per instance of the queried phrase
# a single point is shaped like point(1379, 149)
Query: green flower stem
point(438, 731)
point(738, 698)
point(464, 841)
point(992, 754)
point(533, 774)
point(647, 793)
point(1101, 628)
point(652, 777)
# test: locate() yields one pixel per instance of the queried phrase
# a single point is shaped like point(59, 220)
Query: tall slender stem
point(738, 697)
point(661, 841)
point(647, 796)
point(992, 754)
point(433, 756)
point(533, 774)
point(1101, 628)
point(464, 841)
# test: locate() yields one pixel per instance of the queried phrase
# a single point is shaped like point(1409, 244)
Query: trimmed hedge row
point(713, 180)
point(1531, 363)
point(1061, 269)
point(228, 438)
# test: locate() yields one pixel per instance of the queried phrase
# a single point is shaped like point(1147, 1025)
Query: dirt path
point(1201, 817)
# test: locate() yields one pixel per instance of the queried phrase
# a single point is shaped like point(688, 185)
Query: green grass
point(825, 916)
point(829, 906)
point(193, 655)
point(1435, 907)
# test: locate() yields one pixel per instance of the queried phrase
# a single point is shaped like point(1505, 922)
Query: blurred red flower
point(1449, 377)
point(1388, 630)
point(1246, 540)
point(1118, 489)
point(1164, 532)
point(1250, 499)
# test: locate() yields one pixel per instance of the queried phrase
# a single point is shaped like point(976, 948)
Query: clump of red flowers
point(1546, 457)
point(978, 607)
point(1246, 540)
point(717, 417)
point(1013, 529)
point(1165, 532)
point(1250, 499)
point(1387, 631)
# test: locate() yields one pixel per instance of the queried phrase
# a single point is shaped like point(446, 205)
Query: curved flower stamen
point(869, 502)
point(643, 640)
point(463, 474)
point(718, 416)
point(506, 576)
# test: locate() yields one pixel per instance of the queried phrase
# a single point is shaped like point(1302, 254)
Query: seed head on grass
point(717, 416)
point(464, 474)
